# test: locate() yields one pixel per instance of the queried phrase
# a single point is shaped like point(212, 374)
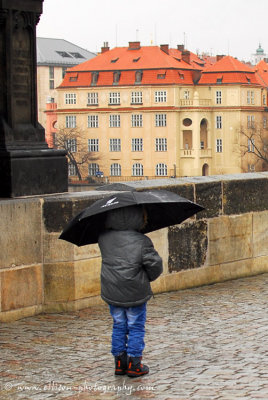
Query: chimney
point(185, 55)
point(180, 47)
point(219, 57)
point(164, 48)
point(105, 47)
point(134, 45)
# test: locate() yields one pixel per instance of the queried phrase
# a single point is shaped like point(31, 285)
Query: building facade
point(54, 57)
point(159, 112)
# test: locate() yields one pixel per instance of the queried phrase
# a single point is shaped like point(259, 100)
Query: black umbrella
point(163, 208)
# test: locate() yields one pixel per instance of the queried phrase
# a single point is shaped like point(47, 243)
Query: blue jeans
point(128, 330)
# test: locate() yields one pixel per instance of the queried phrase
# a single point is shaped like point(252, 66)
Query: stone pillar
point(27, 165)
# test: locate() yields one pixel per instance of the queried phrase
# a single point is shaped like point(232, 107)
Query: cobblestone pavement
point(205, 343)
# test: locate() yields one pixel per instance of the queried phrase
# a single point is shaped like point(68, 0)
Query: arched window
point(137, 169)
point(93, 169)
point(161, 169)
point(115, 169)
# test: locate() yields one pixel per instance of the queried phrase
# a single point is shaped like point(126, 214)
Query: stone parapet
point(40, 273)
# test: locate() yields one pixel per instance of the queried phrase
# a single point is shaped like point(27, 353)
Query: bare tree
point(73, 141)
point(254, 145)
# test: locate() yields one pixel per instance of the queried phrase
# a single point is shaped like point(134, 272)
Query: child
point(129, 264)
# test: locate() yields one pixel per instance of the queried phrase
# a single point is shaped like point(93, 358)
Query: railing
point(198, 102)
point(191, 153)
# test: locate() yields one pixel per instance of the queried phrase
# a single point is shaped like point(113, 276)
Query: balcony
point(191, 153)
point(195, 103)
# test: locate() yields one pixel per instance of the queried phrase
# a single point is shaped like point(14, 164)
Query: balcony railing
point(191, 153)
point(191, 103)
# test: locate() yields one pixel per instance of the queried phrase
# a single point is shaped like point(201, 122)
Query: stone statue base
point(32, 172)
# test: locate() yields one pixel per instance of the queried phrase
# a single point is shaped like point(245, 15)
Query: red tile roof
point(228, 70)
point(122, 58)
point(262, 72)
point(151, 60)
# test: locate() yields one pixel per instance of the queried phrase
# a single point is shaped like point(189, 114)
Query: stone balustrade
point(40, 273)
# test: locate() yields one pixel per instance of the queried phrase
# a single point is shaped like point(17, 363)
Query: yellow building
point(154, 112)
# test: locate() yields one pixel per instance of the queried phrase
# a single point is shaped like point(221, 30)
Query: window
point(160, 144)
point(202, 145)
point(219, 145)
point(136, 97)
point(137, 144)
point(93, 121)
point(94, 78)
point(138, 76)
point(51, 77)
point(264, 122)
point(70, 98)
point(92, 98)
point(72, 170)
point(116, 76)
point(218, 122)
point(71, 145)
point(70, 121)
point(114, 121)
point(251, 121)
point(93, 169)
point(93, 145)
point(115, 144)
point(136, 120)
point(63, 71)
point(251, 167)
point(114, 98)
point(218, 97)
point(161, 170)
point(160, 97)
point(160, 119)
point(186, 95)
point(115, 169)
point(250, 97)
point(251, 145)
point(264, 100)
point(137, 169)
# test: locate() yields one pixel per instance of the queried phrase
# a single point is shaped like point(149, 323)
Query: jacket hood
point(126, 218)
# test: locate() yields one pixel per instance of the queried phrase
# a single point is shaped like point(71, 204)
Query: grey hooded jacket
point(129, 260)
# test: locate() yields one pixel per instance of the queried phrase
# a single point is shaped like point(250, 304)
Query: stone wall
point(40, 273)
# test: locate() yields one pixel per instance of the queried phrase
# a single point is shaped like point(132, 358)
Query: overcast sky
point(234, 27)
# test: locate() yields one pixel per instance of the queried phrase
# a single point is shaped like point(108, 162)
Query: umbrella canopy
point(163, 209)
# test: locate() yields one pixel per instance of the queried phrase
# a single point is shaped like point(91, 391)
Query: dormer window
point(114, 60)
point(219, 80)
point(138, 76)
point(94, 78)
point(116, 77)
point(136, 59)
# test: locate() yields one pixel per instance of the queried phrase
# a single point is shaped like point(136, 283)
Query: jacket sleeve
point(151, 261)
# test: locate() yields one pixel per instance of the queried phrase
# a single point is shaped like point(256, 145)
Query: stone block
point(160, 242)
point(69, 281)
point(187, 245)
point(242, 196)
point(87, 278)
point(209, 195)
point(21, 287)
point(59, 283)
point(230, 238)
point(260, 234)
point(56, 250)
point(20, 226)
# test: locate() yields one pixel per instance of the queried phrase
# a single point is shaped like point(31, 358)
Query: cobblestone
point(204, 343)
